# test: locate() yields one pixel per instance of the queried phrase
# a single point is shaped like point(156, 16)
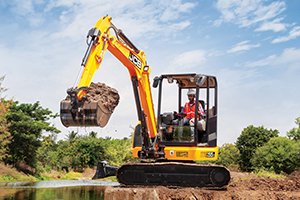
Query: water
point(55, 190)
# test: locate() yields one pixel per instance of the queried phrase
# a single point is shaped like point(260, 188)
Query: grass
point(72, 175)
point(267, 174)
point(110, 178)
point(8, 174)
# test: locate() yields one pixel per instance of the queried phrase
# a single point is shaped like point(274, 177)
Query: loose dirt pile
point(108, 96)
point(242, 186)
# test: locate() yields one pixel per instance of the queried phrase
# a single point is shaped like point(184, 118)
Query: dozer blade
point(94, 113)
point(105, 170)
point(173, 174)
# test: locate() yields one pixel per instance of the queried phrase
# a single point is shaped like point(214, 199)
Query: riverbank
point(10, 174)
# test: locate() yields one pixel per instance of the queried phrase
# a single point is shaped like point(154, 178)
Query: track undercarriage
point(166, 174)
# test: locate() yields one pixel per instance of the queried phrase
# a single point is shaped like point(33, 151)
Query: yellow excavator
point(166, 146)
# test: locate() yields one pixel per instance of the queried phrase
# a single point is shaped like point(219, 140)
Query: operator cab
point(170, 124)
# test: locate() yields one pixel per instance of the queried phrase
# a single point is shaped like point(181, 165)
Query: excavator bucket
point(94, 113)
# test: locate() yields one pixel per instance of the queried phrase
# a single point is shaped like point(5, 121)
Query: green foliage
point(72, 136)
point(250, 139)
point(118, 152)
point(2, 89)
point(294, 133)
point(266, 174)
point(27, 122)
point(41, 177)
point(72, 175)
point(5, 135)
point(228, 155)
point(8, 174)
point(280, 154)
point(110, 178)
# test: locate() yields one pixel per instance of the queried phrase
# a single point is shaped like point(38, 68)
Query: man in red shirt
point(189, 107)
point(189, 110)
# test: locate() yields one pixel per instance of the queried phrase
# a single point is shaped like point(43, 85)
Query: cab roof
point(191, 80)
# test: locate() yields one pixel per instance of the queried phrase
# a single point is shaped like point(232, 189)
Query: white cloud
point(247, 12)
point(136, 18)
point(288, 56)
point(215, 53)
point(274, 25)
point(26, 10)
point(243, 46)
point(189, 59)
point(295, 32)
point(174, 8)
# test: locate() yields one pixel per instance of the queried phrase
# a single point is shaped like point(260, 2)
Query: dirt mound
point(183, 193)
point(294, 176)
point(267, 184)
point(242, 186)
point(108, 96)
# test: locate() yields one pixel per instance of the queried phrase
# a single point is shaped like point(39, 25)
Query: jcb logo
point(182, 154)
point(135, 60)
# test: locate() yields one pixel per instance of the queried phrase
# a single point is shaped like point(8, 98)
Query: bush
point(280, 154)
point(229, 156)
point(250, 139)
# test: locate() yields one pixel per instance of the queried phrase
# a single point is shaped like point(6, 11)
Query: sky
point(251, 46)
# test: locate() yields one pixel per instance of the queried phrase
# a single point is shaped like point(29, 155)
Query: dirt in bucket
point(108, 96)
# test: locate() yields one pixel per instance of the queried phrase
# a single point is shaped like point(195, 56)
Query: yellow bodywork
point(186, 153)
point(135, 62)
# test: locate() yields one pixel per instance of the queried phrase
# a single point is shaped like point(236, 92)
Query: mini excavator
point(166, 147)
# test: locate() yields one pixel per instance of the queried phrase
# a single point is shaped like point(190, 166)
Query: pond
point(55, 190)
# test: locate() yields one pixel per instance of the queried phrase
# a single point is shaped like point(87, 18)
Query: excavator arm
point(99, 39)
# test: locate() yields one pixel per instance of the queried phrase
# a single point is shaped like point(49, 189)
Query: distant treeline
point(258, 148)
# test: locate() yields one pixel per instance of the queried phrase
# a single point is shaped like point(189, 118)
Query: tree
point(5, 136)
point(72, 136)
point(118, 152)
point(280, 154)
point(294, 133)
point(228, 155)
point(250, 139)
point(93, 134)
point(47, 154)
point(27, 123)
point(2, 89)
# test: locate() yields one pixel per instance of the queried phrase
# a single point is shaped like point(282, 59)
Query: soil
point(108, 96)
point(241, 186)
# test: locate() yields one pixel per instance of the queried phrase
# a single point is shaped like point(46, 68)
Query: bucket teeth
point(93, 113)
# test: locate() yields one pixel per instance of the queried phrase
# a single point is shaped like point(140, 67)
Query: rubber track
point(173, 174)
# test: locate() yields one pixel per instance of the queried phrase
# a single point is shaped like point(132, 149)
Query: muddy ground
point(101, 92)
point(241, 186)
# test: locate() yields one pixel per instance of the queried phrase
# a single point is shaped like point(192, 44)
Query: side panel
point(186, 153)
point(191, 153)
